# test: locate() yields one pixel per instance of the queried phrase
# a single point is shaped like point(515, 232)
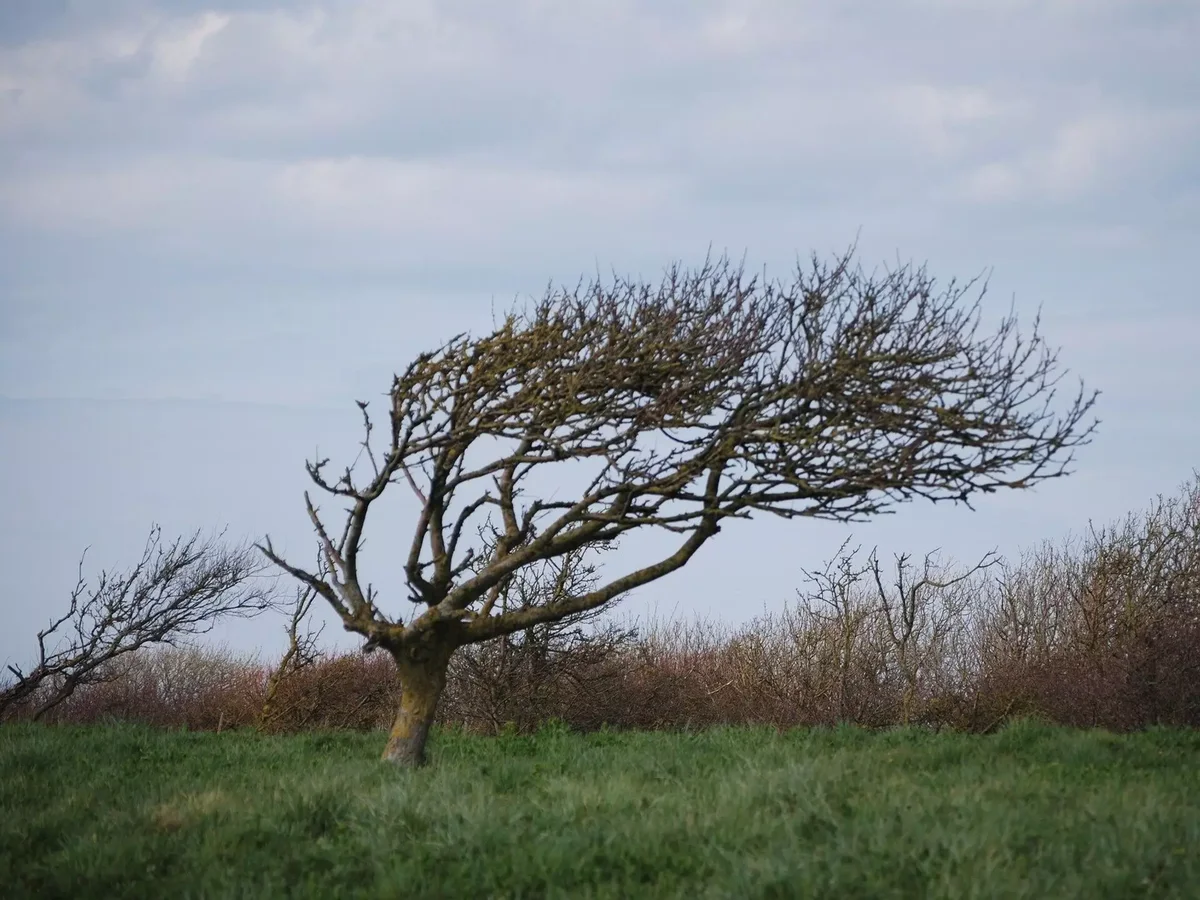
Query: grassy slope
point(1030, 812)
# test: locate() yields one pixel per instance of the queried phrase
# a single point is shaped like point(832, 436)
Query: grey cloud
point(646, 93)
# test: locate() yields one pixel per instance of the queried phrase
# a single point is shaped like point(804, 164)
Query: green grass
point(1032, 811)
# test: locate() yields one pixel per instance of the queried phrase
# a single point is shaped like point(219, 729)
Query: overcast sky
point(223, 222)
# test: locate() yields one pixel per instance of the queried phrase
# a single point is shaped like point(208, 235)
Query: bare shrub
point(1104, 629)
point(551, 669)
point(302, 652)
point(837, 620)
point(311, 689)
point(353, 691)
point(188, 687)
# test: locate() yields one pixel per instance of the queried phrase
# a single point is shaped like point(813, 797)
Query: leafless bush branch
point(302, 653)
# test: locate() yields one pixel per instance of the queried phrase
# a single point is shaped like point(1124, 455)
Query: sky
point(221, 223)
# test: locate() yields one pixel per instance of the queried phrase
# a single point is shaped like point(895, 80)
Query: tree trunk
point(422, 675)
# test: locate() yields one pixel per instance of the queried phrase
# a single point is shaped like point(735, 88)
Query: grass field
point(1033, 811)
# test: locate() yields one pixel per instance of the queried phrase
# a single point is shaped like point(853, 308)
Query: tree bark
point(422, 677)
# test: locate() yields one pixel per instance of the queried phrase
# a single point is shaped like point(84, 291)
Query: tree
point(921, 615)
point(707, 397)
point(176, 590)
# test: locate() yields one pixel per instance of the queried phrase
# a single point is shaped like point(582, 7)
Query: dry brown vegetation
point(1101, 629)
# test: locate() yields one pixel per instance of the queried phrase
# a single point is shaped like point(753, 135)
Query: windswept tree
point(175, 591)
point(673, 407)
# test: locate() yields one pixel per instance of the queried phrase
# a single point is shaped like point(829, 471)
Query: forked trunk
point(422, 680)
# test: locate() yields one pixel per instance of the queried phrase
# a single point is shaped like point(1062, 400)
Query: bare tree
point(920, 615)
point(709, 396)
point(176, 590)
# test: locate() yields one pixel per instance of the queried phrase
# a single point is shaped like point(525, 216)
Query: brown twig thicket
point(1102, 629)
point(612, 409)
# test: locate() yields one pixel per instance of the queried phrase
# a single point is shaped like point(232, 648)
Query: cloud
point(953, 121)
point(174, 55)
point(336, 130)
point(1107, 151)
